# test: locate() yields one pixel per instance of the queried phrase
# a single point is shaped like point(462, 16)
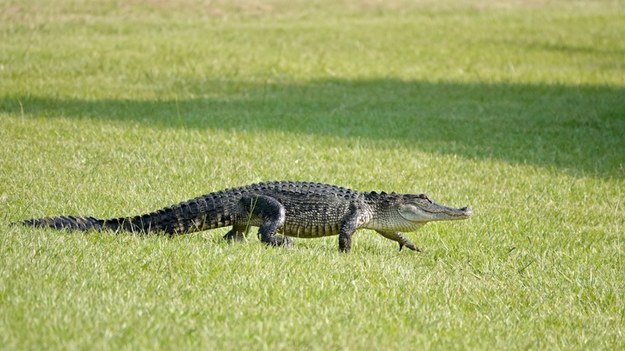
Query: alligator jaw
point(420, 209)
point(444, 213)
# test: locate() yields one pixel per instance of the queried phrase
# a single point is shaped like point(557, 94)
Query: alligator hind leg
point(272, 214)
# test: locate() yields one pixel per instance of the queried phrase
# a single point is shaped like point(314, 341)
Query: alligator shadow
point(579, 130)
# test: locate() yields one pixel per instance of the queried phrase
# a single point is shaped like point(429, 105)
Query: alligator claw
point(280, 240)
point(411, 246)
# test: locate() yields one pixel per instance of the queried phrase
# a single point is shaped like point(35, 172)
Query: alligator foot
point(409, 245)
point(280, 240)
point(234, 235)
point(401, 239)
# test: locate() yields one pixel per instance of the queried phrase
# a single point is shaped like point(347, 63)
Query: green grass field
point(515, 108)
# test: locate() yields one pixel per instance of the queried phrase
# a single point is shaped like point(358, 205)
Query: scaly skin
point(298, 209)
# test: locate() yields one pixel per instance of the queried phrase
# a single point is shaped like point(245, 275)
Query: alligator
point(290, 208)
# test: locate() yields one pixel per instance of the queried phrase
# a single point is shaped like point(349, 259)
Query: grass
point(515, 108)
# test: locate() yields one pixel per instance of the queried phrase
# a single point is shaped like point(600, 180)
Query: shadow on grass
point(577, 129)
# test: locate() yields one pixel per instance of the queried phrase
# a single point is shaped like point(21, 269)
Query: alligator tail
point(164, 221)
point(74, 223)
point(206, 212)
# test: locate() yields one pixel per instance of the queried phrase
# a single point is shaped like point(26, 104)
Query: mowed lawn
point(515, 108)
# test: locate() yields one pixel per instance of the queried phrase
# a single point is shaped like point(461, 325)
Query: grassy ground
point(516, 108)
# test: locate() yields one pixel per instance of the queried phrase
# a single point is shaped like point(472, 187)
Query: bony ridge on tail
point(290, 208)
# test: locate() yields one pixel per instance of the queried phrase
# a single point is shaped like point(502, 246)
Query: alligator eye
point(424, 197)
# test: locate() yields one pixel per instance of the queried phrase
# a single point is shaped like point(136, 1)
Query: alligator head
point(420, 209)
point(408, 212)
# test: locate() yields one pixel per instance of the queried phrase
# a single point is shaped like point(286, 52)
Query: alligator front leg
point(350, 224)
point(401, 239)
point(272, 214)
point(345, 236)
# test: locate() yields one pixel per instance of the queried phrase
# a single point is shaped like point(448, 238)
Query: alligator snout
point(467, 211)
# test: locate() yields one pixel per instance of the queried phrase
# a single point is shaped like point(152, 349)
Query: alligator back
point(312, 210)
